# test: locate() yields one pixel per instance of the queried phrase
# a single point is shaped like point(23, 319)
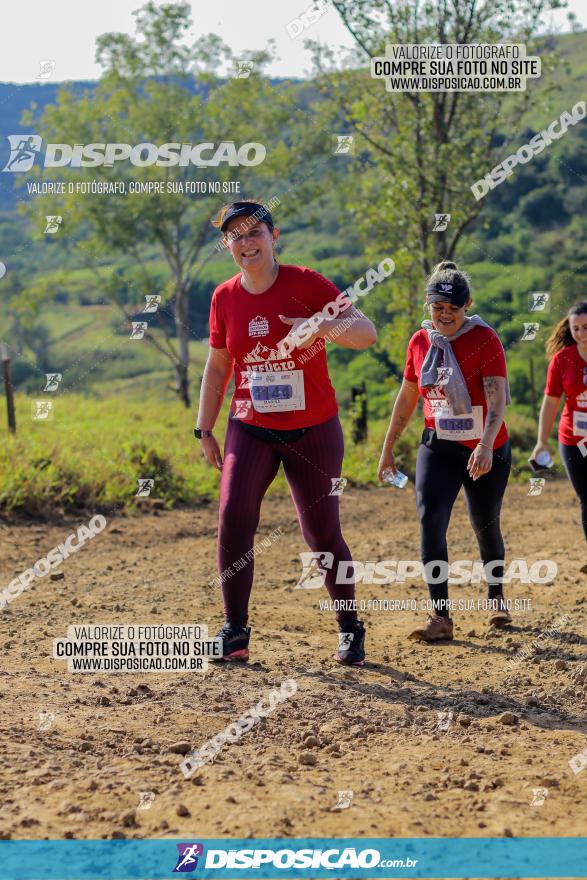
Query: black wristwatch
point(198, 433)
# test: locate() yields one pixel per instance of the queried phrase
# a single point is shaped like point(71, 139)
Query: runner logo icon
point(53, 380)
point(343, 144)
point(443, 375)
point(187, 860)
point(441, 222)
point(314, 570)
point(530, 331)
point(538, 302)
point(23, 151)
point(54, 221)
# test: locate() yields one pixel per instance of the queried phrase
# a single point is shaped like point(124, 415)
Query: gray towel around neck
point(441, 353)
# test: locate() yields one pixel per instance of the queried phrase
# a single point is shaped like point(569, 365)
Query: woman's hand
point(296, 342)
point(540, 447)
point(480, 462)
point(386, 462)
point(211, 452)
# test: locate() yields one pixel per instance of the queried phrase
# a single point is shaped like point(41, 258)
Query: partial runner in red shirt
point(567, 376)
point(457, 364)
point(269, 324)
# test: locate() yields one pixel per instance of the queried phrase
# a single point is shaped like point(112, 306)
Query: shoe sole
point(500, 622)
point(239, 656)
point(418, 637)
point(344, 662)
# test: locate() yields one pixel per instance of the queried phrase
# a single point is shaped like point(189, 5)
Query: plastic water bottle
point(398, 479)
point(544, 459)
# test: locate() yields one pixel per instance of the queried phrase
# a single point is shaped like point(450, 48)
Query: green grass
point(91, 453)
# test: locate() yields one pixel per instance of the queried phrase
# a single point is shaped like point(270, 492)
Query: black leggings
point(441, 470)
point(576, 468)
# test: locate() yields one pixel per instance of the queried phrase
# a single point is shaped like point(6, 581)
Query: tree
point(420, 152)
point(149, 95)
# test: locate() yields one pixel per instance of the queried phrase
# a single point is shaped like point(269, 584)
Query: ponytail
point(447, 272)
point(445, 264)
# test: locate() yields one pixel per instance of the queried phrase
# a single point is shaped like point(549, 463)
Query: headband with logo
point(457, 294)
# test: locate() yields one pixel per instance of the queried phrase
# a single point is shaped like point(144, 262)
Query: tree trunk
point(8, 389)
point(359, 413)
point(182, 385)
point(183, 339)
point(532, 388)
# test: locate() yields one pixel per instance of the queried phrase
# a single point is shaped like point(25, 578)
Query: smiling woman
point(567, 376)
point(283, 411)
point(457, 364)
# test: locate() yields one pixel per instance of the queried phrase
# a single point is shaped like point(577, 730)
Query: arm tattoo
point(491, 387)
point(402, 422)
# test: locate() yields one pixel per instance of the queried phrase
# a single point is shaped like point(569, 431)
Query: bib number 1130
point(467, 426)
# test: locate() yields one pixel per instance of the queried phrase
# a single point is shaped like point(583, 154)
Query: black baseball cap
point(247, 209)
point(455, 291)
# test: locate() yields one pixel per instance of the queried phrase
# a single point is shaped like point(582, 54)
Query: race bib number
point(467, 426)
point(579, 423)
point(277, 392)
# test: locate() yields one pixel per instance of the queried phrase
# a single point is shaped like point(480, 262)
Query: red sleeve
point(217, 328)
point(409, 369)
point(492, 356)
point(324, 292)
point(554, 379)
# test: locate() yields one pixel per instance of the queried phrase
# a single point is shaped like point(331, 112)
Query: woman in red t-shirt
point(457, 364)
point(567, 374)
point(283, 411)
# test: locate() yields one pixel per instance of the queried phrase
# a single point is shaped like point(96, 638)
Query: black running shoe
point(351, 644)
point(235, 642)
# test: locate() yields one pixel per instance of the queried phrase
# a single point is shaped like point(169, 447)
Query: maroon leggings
point(250, 466)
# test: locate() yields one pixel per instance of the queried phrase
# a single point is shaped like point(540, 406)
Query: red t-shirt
point(479, 354)
point(567, 374)
point(273, 391)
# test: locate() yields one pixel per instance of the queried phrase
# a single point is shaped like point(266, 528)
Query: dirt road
point(375, 732)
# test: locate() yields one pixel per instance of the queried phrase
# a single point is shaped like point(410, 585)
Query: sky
point(65, 32)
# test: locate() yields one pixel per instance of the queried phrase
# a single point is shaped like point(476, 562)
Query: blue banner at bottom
point(305, 858)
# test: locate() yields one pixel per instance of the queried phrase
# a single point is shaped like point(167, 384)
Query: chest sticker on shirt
point(467, 426)
point(579, 423)
point(258, 326)
point(581, 400)
point(277, 392)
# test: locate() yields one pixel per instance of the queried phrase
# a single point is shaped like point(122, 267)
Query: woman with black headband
point(458, 365)
point(283, 411)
